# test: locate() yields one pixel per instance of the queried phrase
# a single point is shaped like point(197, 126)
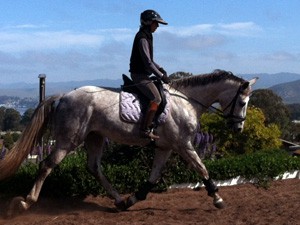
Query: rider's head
point(149, 16)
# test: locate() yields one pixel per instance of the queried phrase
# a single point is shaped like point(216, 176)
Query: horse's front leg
point(159, 161)
point(190, 155)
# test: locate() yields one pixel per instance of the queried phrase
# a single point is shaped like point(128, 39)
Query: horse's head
point(234, 105)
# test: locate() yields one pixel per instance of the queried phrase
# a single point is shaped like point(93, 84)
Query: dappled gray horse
point(89, 114)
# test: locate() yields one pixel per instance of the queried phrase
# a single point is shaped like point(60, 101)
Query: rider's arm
point(145, 53)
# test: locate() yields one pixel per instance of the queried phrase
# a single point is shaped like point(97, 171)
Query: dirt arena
point(246, 204)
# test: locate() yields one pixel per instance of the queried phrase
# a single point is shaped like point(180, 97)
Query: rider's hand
point(163, 71)
point(165, 79)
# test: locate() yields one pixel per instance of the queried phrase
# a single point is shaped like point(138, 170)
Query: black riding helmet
point(150, 15)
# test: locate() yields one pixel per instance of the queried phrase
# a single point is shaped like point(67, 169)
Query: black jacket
point(137, 65)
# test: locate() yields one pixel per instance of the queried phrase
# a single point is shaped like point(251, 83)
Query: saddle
point(133, 103)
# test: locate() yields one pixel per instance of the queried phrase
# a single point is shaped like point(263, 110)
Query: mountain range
point(286, 85)
point(289, 92)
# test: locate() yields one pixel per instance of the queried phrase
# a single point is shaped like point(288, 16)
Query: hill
point(281, 83)
point(31, 90)
point(289, 92)
point(268, 80)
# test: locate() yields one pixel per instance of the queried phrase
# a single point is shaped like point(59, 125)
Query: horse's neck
point(205, 95)
point(208, 94)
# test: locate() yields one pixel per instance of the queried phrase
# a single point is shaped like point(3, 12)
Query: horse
point(90, 114)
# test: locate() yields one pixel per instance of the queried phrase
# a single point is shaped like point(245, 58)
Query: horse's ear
point(253, 81)
point(245, 86)
point(248, 84)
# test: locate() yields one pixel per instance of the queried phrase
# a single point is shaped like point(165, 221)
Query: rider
point(142, 66)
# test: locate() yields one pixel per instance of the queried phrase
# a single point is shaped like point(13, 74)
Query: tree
point(273, 108)
point(2, 115)
point(180, 74)
point(11, 119)
point(295, 132)
point(256, 136)
point(294, 110)
point(8, 141)
point(26, 118)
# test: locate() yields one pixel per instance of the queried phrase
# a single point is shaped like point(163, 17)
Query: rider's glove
point(165, 77)
point(163, 71)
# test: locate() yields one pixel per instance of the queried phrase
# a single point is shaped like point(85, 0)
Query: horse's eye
point(242, 104)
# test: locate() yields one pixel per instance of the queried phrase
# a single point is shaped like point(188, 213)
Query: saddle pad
point(131, 111)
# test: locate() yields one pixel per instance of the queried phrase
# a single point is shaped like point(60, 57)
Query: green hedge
point(127, 168)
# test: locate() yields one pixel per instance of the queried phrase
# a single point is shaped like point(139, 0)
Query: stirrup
point(148, 134)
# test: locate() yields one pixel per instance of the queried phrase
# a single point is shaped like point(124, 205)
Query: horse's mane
point(204, 79)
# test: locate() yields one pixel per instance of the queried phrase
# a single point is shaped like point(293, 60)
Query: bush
point(260, 165)
point(255, 137)
point(127, 168)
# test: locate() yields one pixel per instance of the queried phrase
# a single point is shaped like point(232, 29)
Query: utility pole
point(42, 86)
point(42, 78)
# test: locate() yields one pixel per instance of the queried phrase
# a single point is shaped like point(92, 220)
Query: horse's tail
point(31, 134)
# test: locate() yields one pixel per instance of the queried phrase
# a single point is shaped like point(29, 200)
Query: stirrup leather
point(148, 134)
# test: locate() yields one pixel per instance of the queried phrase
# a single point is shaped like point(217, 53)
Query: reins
point(219, 112)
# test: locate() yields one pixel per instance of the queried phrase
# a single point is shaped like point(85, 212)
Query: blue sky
point(92, 39)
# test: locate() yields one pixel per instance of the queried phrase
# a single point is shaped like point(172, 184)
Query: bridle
point(231, 118)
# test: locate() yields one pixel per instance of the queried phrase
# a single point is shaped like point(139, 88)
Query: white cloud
point(18, 42)
point(198, 36)
point(203, 36)
point(239, 28)
point(25, 26)
point(281, 56)
point(104, 53)
point(188, 30)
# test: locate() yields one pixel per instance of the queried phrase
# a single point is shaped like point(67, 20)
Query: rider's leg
point(146, 130)
point(149, 90)
point(152, 93)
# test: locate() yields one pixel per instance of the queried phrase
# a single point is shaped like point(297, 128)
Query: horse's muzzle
point(236, 126)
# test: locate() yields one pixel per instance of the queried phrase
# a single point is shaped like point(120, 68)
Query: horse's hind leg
point(94, 144)
point(45, 169)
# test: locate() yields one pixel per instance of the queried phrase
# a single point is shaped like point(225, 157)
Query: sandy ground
point(245, 204)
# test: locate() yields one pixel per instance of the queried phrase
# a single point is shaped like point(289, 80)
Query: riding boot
point(146, 131)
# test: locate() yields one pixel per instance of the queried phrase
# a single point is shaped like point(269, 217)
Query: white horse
point(89, 114)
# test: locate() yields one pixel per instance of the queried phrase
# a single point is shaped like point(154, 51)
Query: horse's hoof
point(16, 206)
point(219, 203)
point(121, 205)
point(131, 200)
point(24, 205)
